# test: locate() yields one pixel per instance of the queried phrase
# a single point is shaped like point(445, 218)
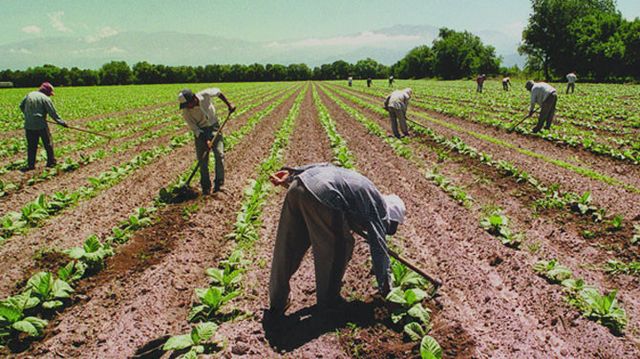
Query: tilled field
point(498, 298)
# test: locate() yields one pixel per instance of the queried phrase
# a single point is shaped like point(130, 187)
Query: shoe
point(206, 192)
point(216, 186)
point(27, 169)
point(52, 164)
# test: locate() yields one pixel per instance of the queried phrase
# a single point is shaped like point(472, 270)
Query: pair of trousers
point(505, 86)
point(398, 115)
point(33, 137)
point(571, 86)
point(304, 222)
point(479, 89)
point(218, 155)
point(547, 112)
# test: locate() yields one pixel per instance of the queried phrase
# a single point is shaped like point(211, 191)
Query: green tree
point(116, 73)
point(418, 63)
point(462, 54)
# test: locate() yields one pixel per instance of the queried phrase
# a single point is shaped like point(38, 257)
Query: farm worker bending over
point(323, 205)
point(390, 80)
point(369, 82)
point(571, 81)
point(200, 115)
point(480, 81)
point(35, 107)
point(397, 104)
point(506, 83)
point(350, 80)
point(544, 95)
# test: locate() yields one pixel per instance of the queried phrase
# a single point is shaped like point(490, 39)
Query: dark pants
point(571, 86)
point(547, 111)
point(479, 89)
point(218, 154)
point(33, 137)
point(505, 86)
point(305, 222)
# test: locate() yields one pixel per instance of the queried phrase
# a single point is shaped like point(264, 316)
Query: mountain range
point(386, 45)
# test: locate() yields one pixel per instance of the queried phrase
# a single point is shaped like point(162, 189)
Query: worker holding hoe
point(35, 107)
point(396, 104)
point(544, 95)
point(324, 203)
point(200, 115)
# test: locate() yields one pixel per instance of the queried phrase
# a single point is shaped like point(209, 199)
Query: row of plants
point(21, 320)
point(23, 317)
point(580, 204)
point(225, 281)
point(408, 291)
point(400, 147)
point(602, 308)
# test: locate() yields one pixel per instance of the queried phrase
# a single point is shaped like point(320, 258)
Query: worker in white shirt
point(350, 80)
point(200, 115)
point(546, 97)
point(396, 104)
point(571, 81)
point(506, 83)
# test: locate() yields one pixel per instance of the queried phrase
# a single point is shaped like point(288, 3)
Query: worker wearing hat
point(323, 205)
point(35, 107)
point(200, 115)
point(546, 97)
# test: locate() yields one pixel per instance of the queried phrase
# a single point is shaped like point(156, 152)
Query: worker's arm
point(376, 237)
point(22, 103)
point(230, 105)
point(286, 174)
point(386, 103)
point(533, 104)
point(51, 110)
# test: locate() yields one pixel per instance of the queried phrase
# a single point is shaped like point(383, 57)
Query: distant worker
point(322, 207)
point(35, 107)
point(546, 97)
point(390, 80)
point(369, 82)
point(571, 81)
point(350, 80)
point(480, 81)
point(397, 104)
point(506, 83)
point(200, 115)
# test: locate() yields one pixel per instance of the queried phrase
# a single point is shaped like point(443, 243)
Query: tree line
point(590, 37)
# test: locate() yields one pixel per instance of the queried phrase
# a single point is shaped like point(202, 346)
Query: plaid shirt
point(357, 197)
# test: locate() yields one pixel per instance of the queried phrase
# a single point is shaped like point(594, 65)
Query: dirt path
point(492, 310)
point(97, 215)
point(144, 302)
point(615, 199)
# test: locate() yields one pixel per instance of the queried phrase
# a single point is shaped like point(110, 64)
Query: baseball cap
point(46, 89)
point(184, 97)
point(395, 208)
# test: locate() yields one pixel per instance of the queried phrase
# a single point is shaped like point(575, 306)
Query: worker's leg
point(201, 149)
point(552, 101)
point(292, 242)
point(48, 146)
point(541, 119)
point(402, 119)
point(218, 154)
point(32, 147)
point(393, 117)
point(332, 247)
point(573, 87)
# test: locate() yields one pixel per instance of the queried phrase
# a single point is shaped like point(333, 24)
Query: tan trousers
point(547, 112)
point(398, 116)
point(304, 222)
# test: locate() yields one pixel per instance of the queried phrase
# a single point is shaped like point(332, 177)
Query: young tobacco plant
point(197, 342)
point(92, 253)
point(497, 224)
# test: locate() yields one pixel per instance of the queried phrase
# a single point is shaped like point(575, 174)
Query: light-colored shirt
point(399, 99)
point(203, 115)
point(35, 107)
point(506, 80)
point(358, 198)
point(572, 78)
point(539, 93)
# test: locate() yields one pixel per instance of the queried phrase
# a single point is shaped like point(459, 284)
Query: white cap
point(395, 208)
point(408, 91)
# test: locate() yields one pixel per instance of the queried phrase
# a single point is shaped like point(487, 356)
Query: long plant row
point(408, 291)
point(209, 310)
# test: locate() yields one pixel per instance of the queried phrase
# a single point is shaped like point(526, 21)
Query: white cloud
point(362, 39)
point(56, 21)
point(21, 50)
point(105, 32)
point(32, 29)
point(115, 50)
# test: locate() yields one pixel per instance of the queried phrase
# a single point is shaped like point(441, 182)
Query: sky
point(257, 20)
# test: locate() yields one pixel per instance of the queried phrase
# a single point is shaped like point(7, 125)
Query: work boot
point(52, 164)
point(206, 191)
point(217, 185)
point(26, 169)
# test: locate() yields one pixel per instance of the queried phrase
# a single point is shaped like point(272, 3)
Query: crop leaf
point(32, 326)
point(203, 332)
point(178, 342)
point(429, 348)
point(414, 331)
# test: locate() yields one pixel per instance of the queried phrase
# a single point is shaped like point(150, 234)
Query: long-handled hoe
point(184, 191)
point(436, 283)
point(85, 130)
point(512, 128)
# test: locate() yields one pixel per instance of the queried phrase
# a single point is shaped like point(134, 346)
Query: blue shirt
point(358, 198)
